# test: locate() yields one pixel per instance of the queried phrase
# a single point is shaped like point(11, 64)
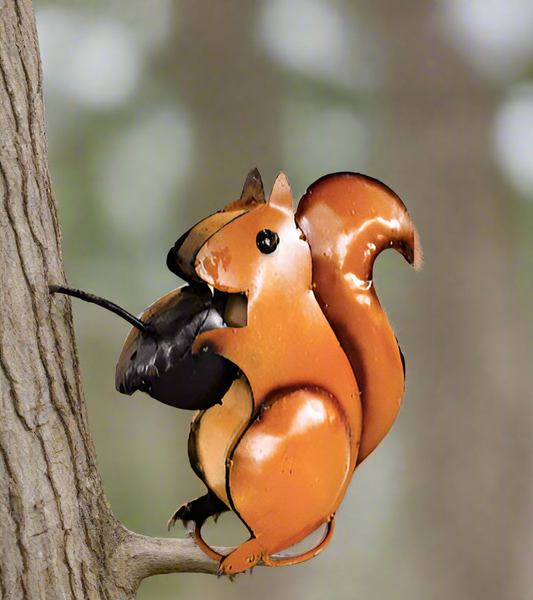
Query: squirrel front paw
point(198, 510)
point(184, 514)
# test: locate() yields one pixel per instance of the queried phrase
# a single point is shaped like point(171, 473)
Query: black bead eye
point(267, 241)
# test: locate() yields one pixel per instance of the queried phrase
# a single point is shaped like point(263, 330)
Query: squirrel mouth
point(160, 361)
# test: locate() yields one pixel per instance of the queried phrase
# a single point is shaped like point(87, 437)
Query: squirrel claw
point(197, 511)
point(176, 517)
point(222, 573)
point(183, 514)
point(171, 522)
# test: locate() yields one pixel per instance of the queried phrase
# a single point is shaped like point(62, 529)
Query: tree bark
point(58, 535)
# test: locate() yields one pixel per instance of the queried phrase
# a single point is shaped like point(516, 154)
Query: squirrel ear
point(280, 197)
point(252, 190)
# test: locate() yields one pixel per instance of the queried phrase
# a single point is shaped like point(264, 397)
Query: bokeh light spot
point(93, 61)
point(495, 35)
point(318, 40)
point(141, 169)
point(513, 138)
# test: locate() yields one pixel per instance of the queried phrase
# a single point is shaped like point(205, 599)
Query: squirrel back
point(348, 219)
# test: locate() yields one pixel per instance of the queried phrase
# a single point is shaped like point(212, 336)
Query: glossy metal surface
point(290, 467)
point(348, 219)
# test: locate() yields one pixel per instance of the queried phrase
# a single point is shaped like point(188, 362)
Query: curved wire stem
point(114, 308)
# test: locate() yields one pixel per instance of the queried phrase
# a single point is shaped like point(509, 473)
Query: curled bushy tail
point(348, 219)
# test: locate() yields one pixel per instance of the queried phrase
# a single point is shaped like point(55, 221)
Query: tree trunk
point(58, 536)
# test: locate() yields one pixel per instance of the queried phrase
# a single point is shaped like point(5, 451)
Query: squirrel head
point(250, 245)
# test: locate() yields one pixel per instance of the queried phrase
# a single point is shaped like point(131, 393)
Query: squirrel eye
point(267, 241)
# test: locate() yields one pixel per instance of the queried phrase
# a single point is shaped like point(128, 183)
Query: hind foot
point(198, 510)
point(242, 558)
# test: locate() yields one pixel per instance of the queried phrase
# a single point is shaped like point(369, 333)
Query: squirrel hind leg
point(291, 468)
point(199, 510)
point(295, 559)
point(251, 552)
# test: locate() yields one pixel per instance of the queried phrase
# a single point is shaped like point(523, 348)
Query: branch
point(138, 557)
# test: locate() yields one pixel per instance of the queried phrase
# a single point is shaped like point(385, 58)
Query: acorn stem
point(114, 308)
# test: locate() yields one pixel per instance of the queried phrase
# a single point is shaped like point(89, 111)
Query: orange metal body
point(348, 220)
point(321, 375)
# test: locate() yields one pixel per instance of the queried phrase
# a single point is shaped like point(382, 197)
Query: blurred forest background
point(157, 110)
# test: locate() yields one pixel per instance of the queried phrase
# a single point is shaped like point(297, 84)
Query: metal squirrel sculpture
point(279, 341)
